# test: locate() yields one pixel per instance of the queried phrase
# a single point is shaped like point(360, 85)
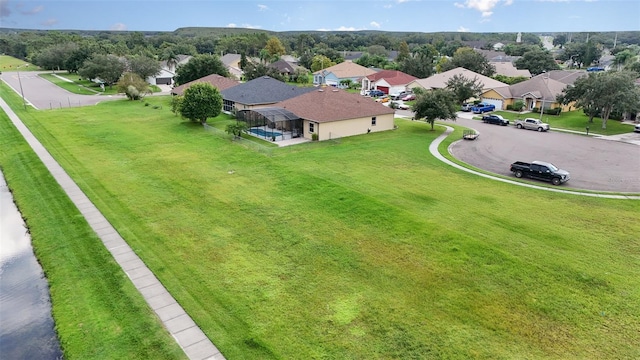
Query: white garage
point(496, 102)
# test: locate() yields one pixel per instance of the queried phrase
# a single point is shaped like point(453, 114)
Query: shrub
point(509, 107)
point(314, 137)
point(518, 105)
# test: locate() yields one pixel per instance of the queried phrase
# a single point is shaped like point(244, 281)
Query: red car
point(409, 97)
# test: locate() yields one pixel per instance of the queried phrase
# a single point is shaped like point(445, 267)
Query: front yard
point(572, 120)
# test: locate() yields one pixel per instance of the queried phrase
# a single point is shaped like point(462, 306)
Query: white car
point(636, 128)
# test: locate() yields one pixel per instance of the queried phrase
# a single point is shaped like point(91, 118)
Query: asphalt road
point(42, 94)
point(594, 164)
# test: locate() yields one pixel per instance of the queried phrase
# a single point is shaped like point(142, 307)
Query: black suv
point(495, 119)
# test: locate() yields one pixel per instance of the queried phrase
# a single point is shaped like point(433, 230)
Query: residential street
point(594, 163)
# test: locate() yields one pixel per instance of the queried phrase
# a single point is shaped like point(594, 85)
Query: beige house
point(439, 81)
point(508, 69)
point(346, 70)
point(334, 113)
point(540, 91)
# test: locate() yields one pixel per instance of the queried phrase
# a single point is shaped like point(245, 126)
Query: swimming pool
point(263, 132)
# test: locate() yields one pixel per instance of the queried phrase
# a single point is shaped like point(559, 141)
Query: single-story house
point(327, 112)
point(218, 81)
point(439, 81)
point(498, 46)
point(497, 56)
point(540, 91)
point(506, 68)
point(232, 62)
point(284, 67)
point(387, 81)
point(346, 70)
point(260, 92)
point(168, 71)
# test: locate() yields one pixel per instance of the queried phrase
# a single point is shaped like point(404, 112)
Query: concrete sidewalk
point(179, 324)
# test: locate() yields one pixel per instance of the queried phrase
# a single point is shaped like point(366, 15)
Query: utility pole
point(21, 91)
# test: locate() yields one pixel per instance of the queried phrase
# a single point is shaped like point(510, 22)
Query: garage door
point(384, 89)
point(496, 102)
point(163, 81)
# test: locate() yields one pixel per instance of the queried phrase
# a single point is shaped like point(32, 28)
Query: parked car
point(482, 108)
point(400, 105)
point(540, 170)
point(466, 107)
point(376, 93)
point(636, 128)
point(400, 95)
point(383, 99)
point(409, 97)
point(495, 119)
point(532, 124)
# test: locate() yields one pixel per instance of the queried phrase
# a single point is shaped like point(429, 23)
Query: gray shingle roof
point(263, 90)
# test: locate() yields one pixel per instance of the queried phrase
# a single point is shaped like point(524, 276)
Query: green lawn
point(573, 120)
point(363, 248)
point(9, 63)
point(98, 312)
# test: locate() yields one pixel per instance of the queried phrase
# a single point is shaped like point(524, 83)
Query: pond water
point(26, 326)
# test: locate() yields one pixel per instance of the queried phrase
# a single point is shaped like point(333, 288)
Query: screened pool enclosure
point(272, 123)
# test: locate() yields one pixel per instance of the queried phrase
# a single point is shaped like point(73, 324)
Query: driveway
point(594, 163)
point(42, 94)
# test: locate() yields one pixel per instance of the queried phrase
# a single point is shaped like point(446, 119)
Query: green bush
point(509, 107)
point(518, 105)
point(314, 137)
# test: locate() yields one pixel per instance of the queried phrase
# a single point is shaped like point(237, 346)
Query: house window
point(228, 105)
point(311, 127)
point(373, 121)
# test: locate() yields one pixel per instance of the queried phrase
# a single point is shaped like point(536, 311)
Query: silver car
point(532, 124)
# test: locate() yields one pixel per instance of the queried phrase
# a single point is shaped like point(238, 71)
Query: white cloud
point(402, 1)
point(262, 7)
point(33, 11)
point(375, 24)
point(249, 26)
point(463, 29)
point(118, 27)
point(344, 28)
point(232, 25)
point(485, 7)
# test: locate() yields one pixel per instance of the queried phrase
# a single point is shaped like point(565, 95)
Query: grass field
point(98, 312)
point(573, 120)
point(9, 63)
point(363, 248)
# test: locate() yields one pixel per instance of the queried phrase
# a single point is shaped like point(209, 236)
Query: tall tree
point(560, 40)
point(200, 102)
point(463, 88)
point(437, 104)
point(602, 92)
point(403, 52)
point(143, 66)
point(420, 63)
point(321, 62)
point(108, 68)
point(274, 48)
point(471, 60)
point(537, 61)
point(200, 66)
point(255, 70)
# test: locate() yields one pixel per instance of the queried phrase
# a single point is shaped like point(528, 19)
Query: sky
point(536, 16)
